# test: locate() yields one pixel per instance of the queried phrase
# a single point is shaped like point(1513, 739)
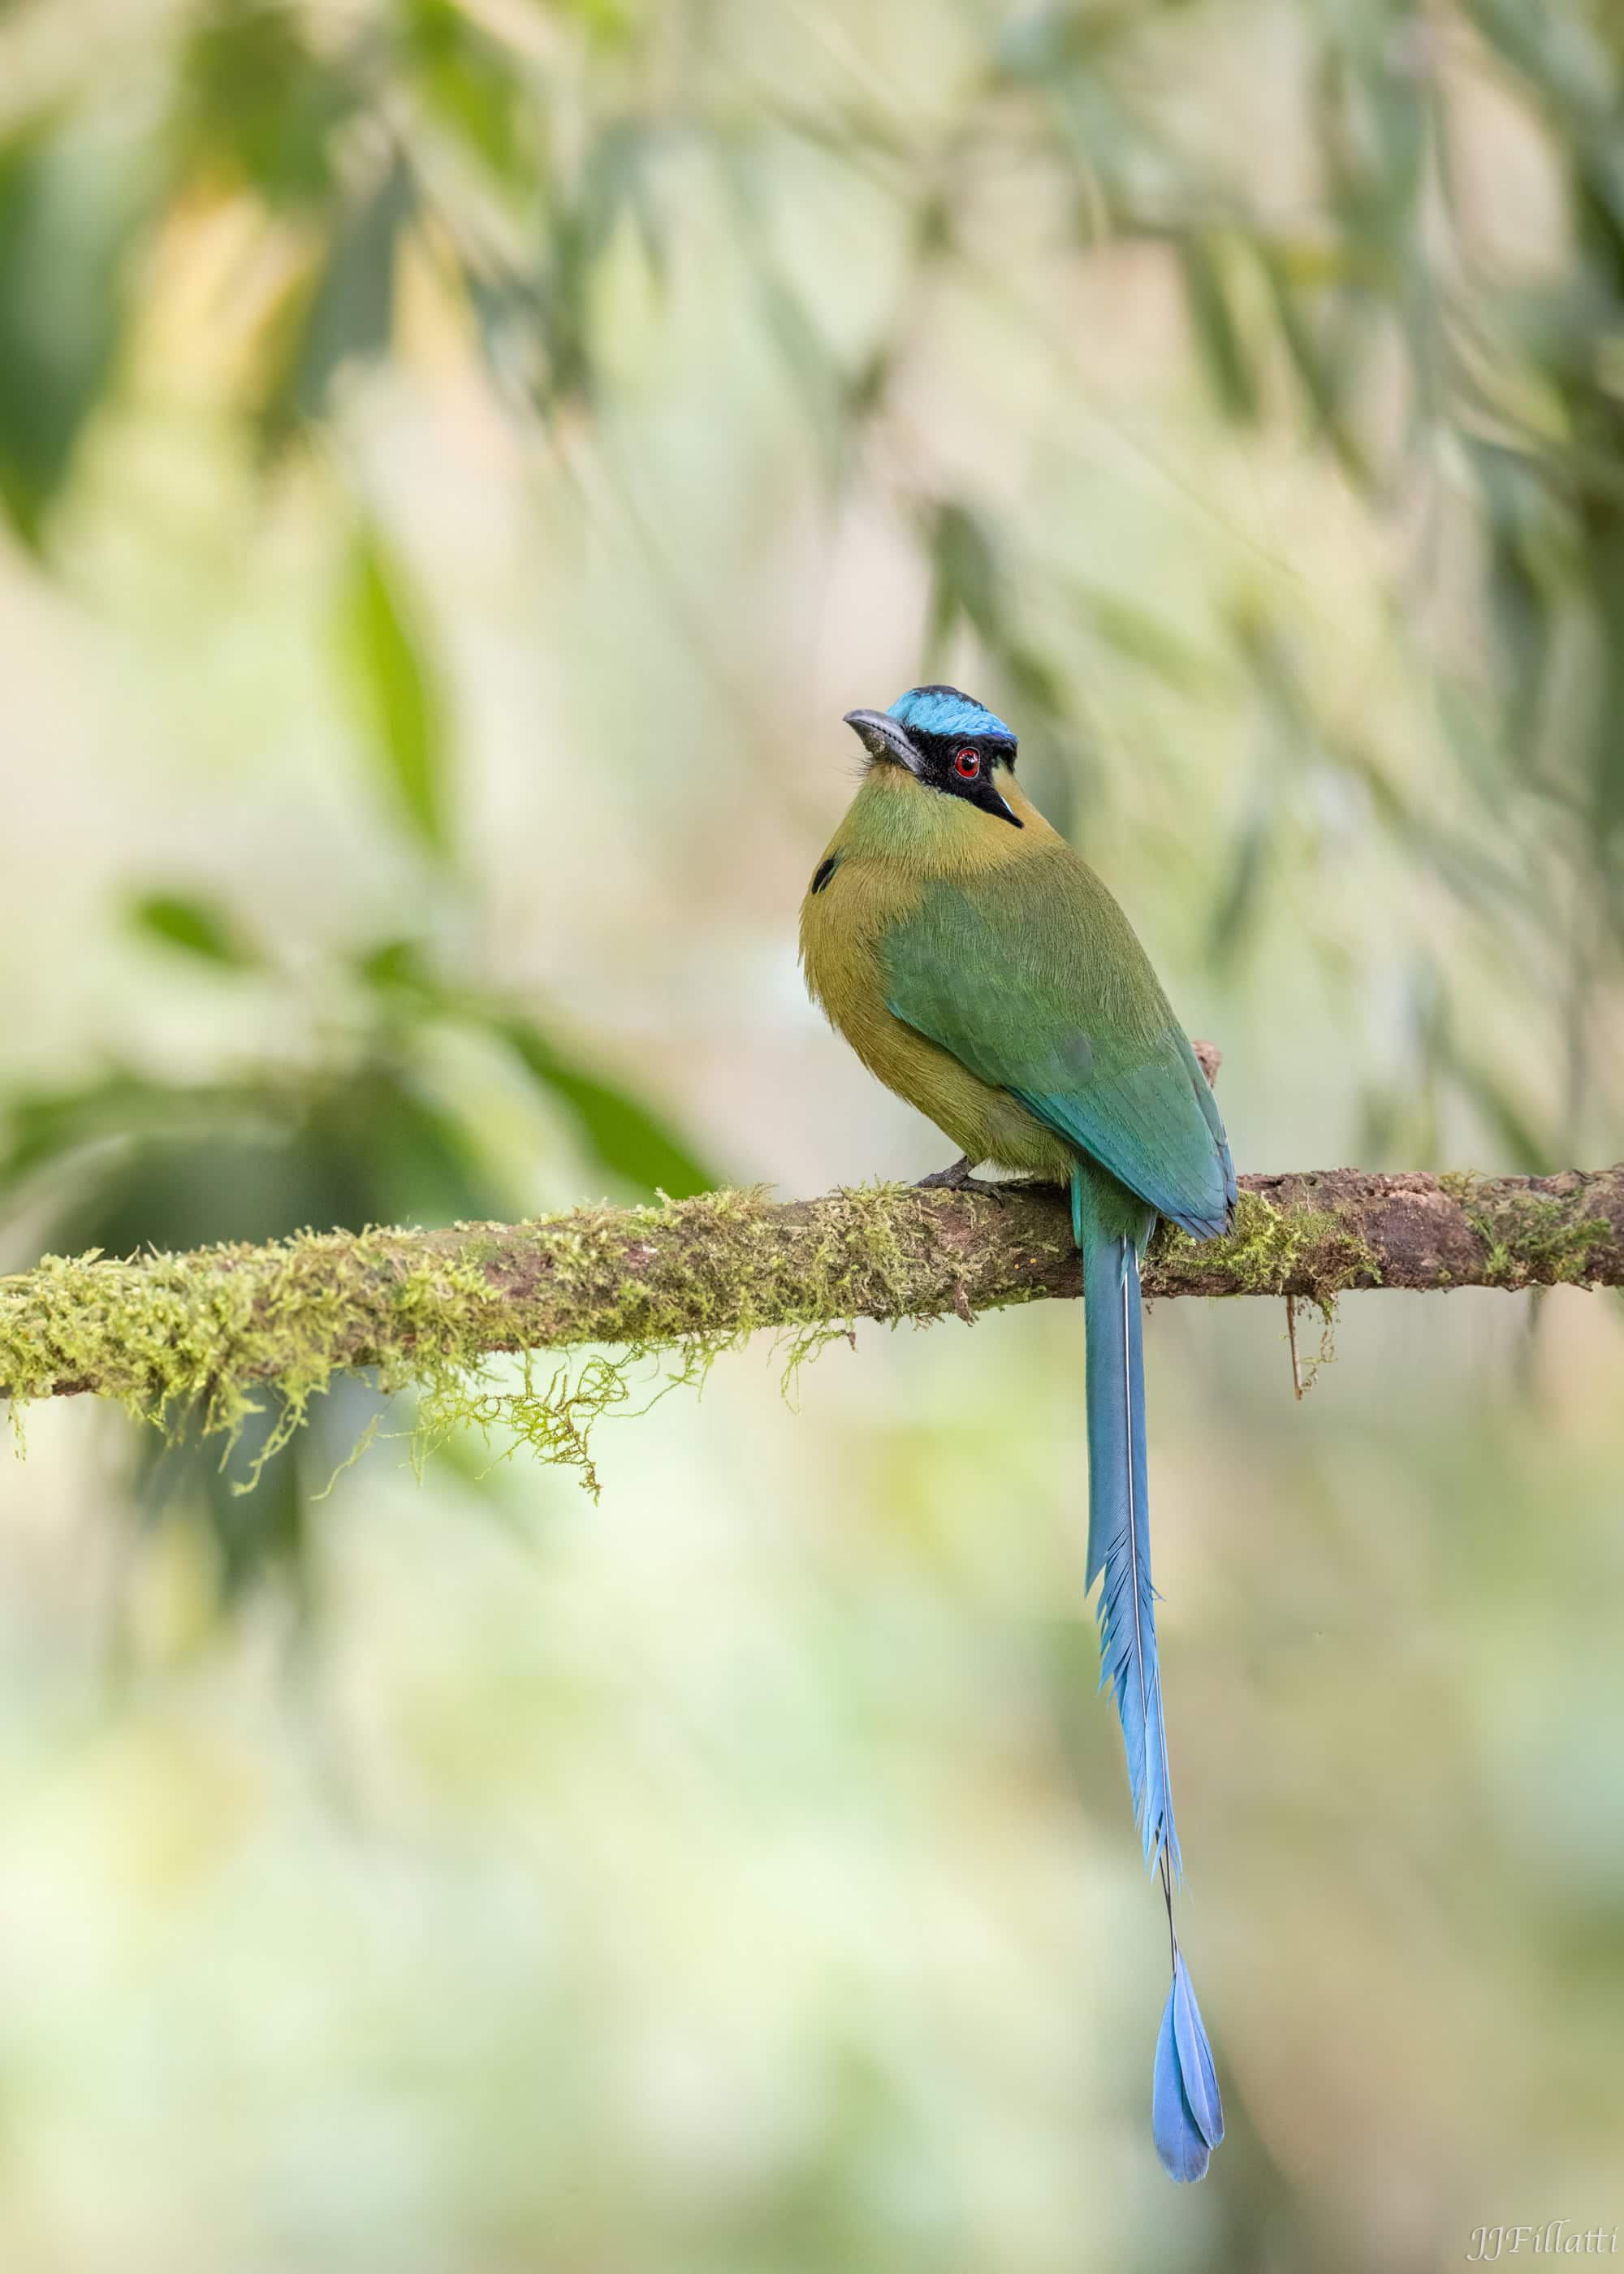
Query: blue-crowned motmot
point(983, 972)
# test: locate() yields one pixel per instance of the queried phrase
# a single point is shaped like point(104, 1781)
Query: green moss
point(1532, 1238)
point(1305, 1372)
point(858, 1264)
point(227, 1332)
point(554, 1421)
point(1272, 1251)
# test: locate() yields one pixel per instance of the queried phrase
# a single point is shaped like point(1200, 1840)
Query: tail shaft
point(1118, 1513)
point(1112, 1228)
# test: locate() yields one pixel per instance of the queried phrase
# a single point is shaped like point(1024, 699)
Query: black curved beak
point(882, 738)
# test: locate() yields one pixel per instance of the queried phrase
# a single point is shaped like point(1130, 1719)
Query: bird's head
point(948, 741)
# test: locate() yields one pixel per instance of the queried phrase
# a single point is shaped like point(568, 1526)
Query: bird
point(982, 970)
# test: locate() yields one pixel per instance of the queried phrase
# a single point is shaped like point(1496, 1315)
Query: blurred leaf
point(625, 1136)
point(398, 692)
point(1237, 907)
point(1217, 335)
point(1556, 51)
point(825, 392)
point(52, 1126)
point(1323, 372)
point(195, 927)
point(609, 21)
point(470, 83)
point(407, 1158)
point(254, 1497)
point(67, 220)
point(253, 99)
point(622, 180)
point(1033, 683)
point(965, 580)
point(349, 315)
point(398, 965)
point(253, 1507)
point(1527, 1149)
point(553, 302)
point(147, 1164)
point(1146, 638)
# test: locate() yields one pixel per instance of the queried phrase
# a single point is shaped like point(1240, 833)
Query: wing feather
point(1032, 977)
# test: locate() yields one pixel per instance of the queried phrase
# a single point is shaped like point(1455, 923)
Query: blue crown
point(946, 710)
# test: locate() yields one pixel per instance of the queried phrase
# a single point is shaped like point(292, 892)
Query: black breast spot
point(825, 870)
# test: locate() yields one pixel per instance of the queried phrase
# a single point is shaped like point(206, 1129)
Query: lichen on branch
point(218, 1328)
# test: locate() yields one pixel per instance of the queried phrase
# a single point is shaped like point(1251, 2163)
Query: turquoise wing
point(1032, 979)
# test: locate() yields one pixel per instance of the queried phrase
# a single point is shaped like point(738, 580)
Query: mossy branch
point(160, 1332)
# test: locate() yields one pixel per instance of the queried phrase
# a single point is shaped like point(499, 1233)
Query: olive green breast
point(898, 841)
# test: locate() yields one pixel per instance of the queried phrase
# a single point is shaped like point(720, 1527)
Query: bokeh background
point(459, 460)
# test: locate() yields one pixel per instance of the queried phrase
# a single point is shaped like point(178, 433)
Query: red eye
point(968, 764)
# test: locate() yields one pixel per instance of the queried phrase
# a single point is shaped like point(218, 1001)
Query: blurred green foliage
point(516, 147)
point(66, 239)
point(402, 704)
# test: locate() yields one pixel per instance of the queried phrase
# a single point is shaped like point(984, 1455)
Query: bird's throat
point(902, 821)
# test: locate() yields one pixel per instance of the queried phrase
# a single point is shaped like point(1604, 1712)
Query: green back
point(1032, 977)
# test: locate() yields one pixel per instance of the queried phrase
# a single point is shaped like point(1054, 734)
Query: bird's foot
point(948, 1180)
point(957, 1179)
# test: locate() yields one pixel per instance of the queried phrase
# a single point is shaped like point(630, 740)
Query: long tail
point(1186, 2113)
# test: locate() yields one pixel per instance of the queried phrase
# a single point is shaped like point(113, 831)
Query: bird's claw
point(947, 1180)
point(957, 1179)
